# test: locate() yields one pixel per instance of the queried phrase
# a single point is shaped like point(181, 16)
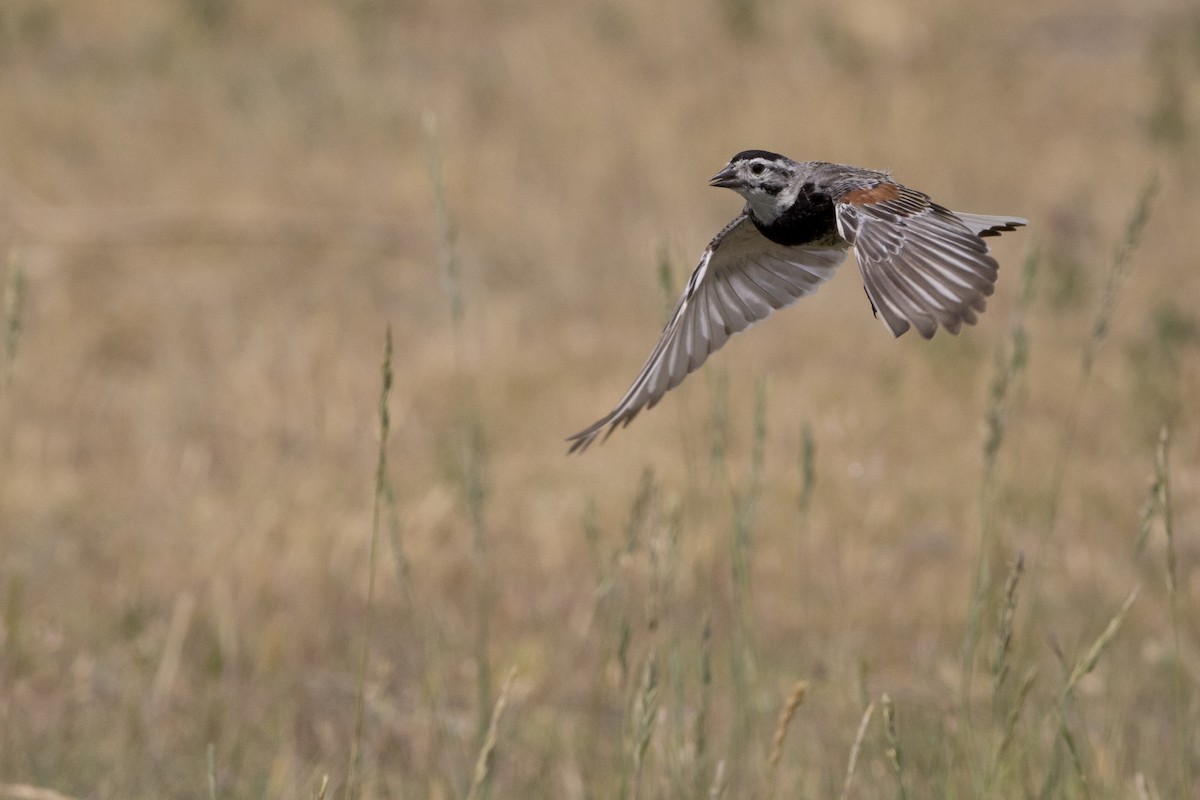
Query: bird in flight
point(922, 265)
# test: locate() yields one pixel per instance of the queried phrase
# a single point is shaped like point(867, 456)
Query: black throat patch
point(809, 219)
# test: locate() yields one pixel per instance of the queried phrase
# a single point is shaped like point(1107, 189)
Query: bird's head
point(768, 181)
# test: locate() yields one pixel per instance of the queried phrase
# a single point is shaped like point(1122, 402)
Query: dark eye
point(757, 169)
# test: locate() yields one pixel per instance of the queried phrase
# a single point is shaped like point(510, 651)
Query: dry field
point(211, 212)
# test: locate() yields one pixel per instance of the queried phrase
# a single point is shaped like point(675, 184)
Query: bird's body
point(922, 265)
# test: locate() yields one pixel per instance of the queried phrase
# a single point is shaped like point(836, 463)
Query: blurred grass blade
point(1162, 483)
point(1010, 367)
point(647, 714)
point(808, 470)
point(894, 754)
point(700, 728)
point(172, 655)
point(743, 658)
point(474, 487)
point(781, 728)
point(1011, 361)
point(1004, 634)
point(855, 750)
point(1014, 715)
point(25, 791)
point(642, 712)
point(716, 789)
point(487, 752)
point(447, 250)
point(211, 772)
point(1068, 739)
point(667, 285)
point(1145, 789)
point(353, 787)
point(1089, 660)
point(1135, 227)
point(718, 448)
point(1158, 506)
point(14, 310)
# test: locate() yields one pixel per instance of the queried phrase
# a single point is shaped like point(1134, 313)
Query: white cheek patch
point(768, 207)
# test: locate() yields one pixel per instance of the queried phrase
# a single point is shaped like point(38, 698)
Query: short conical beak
point(726, 178)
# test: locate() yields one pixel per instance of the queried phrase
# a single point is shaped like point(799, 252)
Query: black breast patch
point(810, 219)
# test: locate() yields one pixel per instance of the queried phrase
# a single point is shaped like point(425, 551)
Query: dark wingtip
point(582, 440)
point(1005, 227)
point(579, 442)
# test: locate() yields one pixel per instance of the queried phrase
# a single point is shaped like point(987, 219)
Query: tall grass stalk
point(700, 728)
point(808, 472)
point(1088, 661)
point(14, 311)
point(474, 487)
point(472, 465)
point(1135, 227)
point(429, 634)
point(1008, 731)
point(804, 499)
point(745, 508)
point(644, 504)
point(480, 782)
point(1158, 507)
point(637, 529)
point(855, 750)
point(172, 656)
point(1001, 664)
point(447, 250)
point(718, 442)
point(608, 569)
point(781, 728)
point(353, 779)
point(668, 286)
point(1011, 361)
point(716, 789)
point(664, 602)
point(211, 771)
point(1078, 770)
point(1119, 266)
point(1186, 731)
point(1006, 705)
point(643, 710)
point(1083, 666)
point(15, 646)
point(1144, 787)
point(894, 754)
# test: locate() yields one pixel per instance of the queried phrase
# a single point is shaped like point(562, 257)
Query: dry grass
point(212, 211)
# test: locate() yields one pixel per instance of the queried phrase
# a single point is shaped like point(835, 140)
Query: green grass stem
point(353, 776)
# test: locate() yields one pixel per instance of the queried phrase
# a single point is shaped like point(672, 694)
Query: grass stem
point(353, 778)
point(856, 750)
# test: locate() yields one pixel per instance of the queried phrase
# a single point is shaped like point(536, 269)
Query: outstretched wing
point(922, 264)
point(742, 277)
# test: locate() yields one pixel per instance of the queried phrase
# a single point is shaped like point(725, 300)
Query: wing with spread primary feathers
point(742, 277)
point(922, 265)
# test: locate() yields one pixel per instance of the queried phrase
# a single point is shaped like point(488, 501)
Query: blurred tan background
point(211, 212)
